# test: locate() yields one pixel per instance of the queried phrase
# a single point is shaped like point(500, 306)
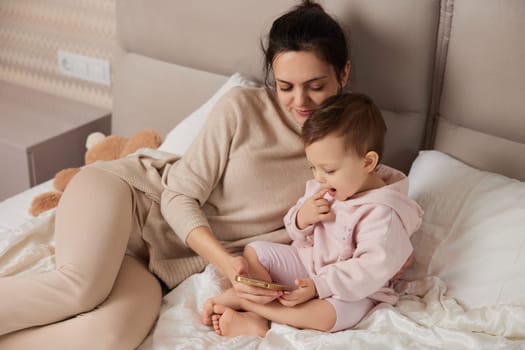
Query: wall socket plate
point(84, 67)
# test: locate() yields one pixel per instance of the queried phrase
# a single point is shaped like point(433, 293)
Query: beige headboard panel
point(392, 56)
point(482, 112)
point(156, 94)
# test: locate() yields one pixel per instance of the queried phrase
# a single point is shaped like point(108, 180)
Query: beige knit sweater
point(240, 176)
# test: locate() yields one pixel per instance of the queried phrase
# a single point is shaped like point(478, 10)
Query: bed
point(448, 77)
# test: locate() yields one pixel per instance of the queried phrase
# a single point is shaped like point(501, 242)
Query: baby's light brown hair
point(353, 116)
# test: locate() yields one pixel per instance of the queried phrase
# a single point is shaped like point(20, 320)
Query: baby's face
point(337, 169)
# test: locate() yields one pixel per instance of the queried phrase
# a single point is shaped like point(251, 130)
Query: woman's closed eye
point(285, 87)
point(317, 88)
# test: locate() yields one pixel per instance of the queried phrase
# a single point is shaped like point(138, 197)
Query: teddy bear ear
point(94, 138)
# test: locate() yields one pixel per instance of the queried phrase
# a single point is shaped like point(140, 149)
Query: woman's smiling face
point(303, 81)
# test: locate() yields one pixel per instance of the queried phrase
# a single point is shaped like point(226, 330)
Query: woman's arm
point(203, 242)
point(191, 181)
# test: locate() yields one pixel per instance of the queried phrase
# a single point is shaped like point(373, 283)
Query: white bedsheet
point(424, 318)
point(14, 210)
point(25, 242)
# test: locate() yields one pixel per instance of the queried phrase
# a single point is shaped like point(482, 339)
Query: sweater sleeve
point(189, 182)
point(382, 247)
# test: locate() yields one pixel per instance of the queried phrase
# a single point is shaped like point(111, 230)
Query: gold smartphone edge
point(261, 284)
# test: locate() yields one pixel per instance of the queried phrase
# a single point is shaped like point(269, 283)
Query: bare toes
point(216, 324)
point(219, 309)
point(207, 312)
point(233, 323)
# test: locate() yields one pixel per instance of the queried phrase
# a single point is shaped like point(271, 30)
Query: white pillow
point(473, 231)
point(181, 136)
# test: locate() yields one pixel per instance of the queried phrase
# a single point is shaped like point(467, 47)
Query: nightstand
point(41, 134)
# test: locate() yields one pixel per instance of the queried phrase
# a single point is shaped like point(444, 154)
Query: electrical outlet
point(84, 67)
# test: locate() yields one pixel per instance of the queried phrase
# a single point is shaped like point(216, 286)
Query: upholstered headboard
point(482, 108)
point(176, 54)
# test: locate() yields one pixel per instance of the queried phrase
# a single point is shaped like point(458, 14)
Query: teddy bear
point(99, 147)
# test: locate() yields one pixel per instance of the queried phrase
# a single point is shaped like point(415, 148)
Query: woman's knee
point(82, 293)
point(131, 309)
point(121, 322)
point(94, 217)
point(93, 181)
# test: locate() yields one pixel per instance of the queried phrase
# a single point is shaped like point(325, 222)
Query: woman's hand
point(314, 209)
point(204, 243)
point(255, 294)
point(305, 291)
point(239, 266)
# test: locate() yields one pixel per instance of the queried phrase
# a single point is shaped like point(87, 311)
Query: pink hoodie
point(355, 256)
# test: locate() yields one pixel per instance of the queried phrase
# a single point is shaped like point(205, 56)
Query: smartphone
point(261, 284)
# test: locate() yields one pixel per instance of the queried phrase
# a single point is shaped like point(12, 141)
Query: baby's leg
point(267, 261)
point(228, 298)
point(321, 314)
point(274, 262)
point(257, 270)
point(263, 257)
point(92, 228)
point(349, 313)
point(231, 323)
point(316, 314)
point(121, 322)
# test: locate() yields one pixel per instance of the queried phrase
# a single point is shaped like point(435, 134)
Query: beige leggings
point(93, 224)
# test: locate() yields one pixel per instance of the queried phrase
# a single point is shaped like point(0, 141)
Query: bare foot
point(231, 323)
point(228, 298)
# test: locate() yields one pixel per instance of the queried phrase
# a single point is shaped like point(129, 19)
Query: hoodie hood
point(394, 195)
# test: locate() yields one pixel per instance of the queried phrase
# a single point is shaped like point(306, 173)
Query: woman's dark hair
point(307, 27)
point(354, 117)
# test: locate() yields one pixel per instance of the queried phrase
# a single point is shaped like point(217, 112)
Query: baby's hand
point(305, 291)
point(314, 209)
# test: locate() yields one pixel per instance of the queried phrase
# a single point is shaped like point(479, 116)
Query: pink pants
point(284, 266)
point(97, 297)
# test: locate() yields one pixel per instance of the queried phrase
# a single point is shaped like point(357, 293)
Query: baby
point(350, 231)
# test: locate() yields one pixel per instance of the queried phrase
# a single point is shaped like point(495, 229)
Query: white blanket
point(25, 242)
point(424, 318)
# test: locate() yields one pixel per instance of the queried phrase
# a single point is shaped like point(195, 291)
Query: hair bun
point(310, 5)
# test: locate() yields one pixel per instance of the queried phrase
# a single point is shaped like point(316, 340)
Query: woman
point(160, 213)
